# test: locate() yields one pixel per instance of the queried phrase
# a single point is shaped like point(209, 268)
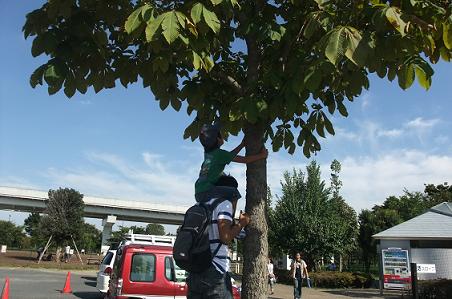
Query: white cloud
point(365, 98)
point(390, 133)
point(420, 123)
point(369, 180)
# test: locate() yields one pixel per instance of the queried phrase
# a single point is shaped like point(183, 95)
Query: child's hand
point(264, 153)
point(244, 219)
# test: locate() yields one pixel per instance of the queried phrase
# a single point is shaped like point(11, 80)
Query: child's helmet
point(209, 134)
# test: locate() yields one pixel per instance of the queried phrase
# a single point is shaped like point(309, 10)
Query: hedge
point(331, 279)
point(438, 289)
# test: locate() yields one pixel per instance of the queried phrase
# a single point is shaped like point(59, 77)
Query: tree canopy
point(64, 219)
point(310, 218)
point(279, 62)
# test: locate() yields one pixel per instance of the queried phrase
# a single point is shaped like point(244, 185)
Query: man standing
point(215, 282)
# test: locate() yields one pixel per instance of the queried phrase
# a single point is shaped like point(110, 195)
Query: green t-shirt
point(212, 168)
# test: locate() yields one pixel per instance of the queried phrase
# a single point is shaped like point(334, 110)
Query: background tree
point(64, 219)
point(439, 193)
point(118, 235)
point(33, 229)
point(269, 68)
point(343, 218)
point(300, 222)
point(90, 239)
point(155, 229)
point(11, 235)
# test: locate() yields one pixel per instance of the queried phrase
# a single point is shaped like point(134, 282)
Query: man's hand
point(244, 219)
point(264, 153)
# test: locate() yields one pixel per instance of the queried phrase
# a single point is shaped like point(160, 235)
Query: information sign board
point(426, 268)
point(396, 269)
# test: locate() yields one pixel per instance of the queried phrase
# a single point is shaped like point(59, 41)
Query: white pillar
point(107, 223)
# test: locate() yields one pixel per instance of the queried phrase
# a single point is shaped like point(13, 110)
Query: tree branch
point(229, 80)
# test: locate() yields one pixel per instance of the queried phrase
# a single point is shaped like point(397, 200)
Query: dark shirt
point(298, 272)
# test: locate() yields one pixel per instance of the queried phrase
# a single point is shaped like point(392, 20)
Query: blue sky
point(119, 144)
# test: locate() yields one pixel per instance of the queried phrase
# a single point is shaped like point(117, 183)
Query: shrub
point(438, 289)
point(332, 279)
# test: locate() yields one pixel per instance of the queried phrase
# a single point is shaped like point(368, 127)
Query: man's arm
point(229, 230)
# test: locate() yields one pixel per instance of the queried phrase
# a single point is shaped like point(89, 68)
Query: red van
point(145, 271)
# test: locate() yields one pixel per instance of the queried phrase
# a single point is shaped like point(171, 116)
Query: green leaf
point(52, 75)
point(196, 12)
point(422, 78)
point(134, 20)
point(328, 124)
point(313, 79)
point(445, 54)
point(197, 61)
point(211, 20)
point(342, 110)
point(163, 103)
point(69, 87)
point(176, 103)
point(36, 77)
point(208, 63)
point(181, 18)
point(394, 16)
point(353, 52)
point(335, 48)
point(406, 76)
point(170, 27)
point(216, 2)
point(37, 47)
point(275, 35)
point(447, 33)
point(152, 27)
point(146, 12)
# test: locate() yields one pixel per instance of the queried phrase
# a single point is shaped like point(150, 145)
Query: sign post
point(414, 289)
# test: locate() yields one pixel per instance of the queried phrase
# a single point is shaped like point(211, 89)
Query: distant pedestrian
point(298, 271)
point(271, 275)
point(67, 253)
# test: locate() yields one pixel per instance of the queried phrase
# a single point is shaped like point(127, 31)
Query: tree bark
point(256, 243)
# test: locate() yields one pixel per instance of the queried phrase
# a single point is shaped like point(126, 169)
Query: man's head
point(210, 137)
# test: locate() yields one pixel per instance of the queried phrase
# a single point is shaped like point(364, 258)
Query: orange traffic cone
point(5, 292)
point(67, 285)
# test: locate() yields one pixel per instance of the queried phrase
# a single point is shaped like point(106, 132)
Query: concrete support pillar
point(107, 223)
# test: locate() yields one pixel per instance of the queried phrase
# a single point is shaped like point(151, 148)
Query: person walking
point(271, 275)
point(299, 271)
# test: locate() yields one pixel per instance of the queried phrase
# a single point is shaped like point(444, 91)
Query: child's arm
point(251, 158)
point(239, 147)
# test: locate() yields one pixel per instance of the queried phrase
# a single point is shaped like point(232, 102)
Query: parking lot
point(43, 284)
point(26, 283)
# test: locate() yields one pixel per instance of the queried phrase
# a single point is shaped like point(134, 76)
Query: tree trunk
point(340, 262)
point(58, 254)
point(256, 243)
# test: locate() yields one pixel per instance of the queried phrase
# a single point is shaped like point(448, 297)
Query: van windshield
point(143, 267)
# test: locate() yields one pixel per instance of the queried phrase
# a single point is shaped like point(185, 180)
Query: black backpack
point(191, 250)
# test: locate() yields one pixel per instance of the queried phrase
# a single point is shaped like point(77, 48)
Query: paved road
point(47, 284)
point(28, 283)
